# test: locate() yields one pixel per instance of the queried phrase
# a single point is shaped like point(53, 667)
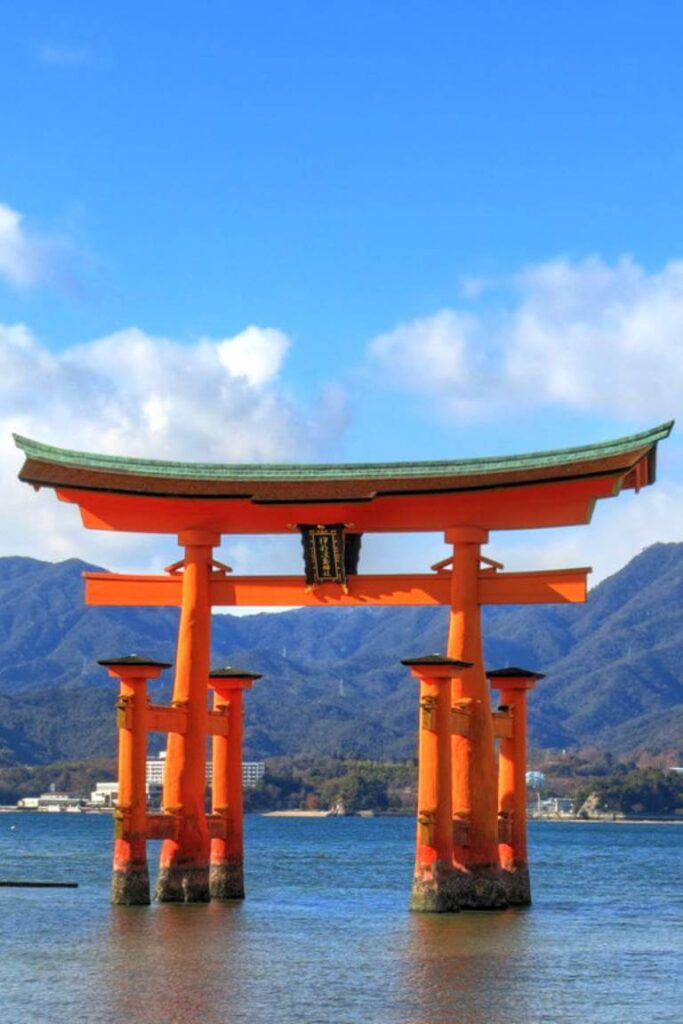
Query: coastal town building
point(105, 794)
point(53, 802)
point(252, 771)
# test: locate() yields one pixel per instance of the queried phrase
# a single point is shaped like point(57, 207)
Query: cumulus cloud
point(585, 335)
point(130, 393)
point(256, 354)
point(20, 254)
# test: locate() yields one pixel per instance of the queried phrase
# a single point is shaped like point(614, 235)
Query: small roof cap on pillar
point(435, 659)
point(231, 672)
point(132, 660)
point(513, 672)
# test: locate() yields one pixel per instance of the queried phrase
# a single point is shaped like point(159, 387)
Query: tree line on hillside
point(641, 791)
point(328, 783)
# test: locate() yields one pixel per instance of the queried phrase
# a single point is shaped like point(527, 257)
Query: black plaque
point(329, 555)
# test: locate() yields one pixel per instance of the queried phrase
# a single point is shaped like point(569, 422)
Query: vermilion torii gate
point(471, 846)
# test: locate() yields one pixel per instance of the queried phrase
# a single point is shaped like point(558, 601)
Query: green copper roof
point(335, 471)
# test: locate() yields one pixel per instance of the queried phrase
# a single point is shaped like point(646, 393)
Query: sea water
point(325, 935)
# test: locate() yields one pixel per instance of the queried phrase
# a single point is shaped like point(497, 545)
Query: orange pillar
point(433, 889)
point(184, 861)
point(475, 783)
point(226, 877)
point(130, 876)
point(513, 684)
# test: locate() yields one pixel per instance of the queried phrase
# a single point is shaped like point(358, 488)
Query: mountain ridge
point(332, 679)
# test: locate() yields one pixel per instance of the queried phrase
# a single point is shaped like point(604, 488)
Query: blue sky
point(342, 231)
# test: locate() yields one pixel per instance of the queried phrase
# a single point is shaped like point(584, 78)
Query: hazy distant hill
point(332, 680)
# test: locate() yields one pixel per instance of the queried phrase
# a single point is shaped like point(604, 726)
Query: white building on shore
point(52, 802)
point(105, 794)
point(252, 771)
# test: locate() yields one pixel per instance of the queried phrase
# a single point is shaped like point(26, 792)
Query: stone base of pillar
point(226, 880)
point(130, 886)
point(183, 885)
point(480, 887)
point(434, 892)
point(517, 886)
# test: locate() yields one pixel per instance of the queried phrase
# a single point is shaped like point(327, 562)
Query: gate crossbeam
point(558, 586)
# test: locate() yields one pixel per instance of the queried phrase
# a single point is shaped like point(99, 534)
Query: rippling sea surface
point(325, 937)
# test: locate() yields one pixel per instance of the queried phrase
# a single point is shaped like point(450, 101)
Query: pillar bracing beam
point(226, 876)
point(130, 875)
point(513, 684)
point(475, 785)
point(433, 882)
point(184, 861)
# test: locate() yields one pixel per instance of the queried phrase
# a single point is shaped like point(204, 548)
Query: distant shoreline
point(613, 821)
point(6, 809)
point(296, 814)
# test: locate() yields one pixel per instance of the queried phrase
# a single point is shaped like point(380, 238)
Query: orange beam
point(218, 725)
point(166, 826)
point(163, 719)
point(521, 506)
point(557, 586)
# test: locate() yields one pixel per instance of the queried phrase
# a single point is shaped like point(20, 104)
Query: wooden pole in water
point(433, 889)
point(226, 875)
point(184, 860)
point(475, 783)
point(130, 876)
point(514, 859)
point(5, 884)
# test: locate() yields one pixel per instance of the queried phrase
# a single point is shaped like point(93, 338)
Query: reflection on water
point(325, 935)
point(458, 967)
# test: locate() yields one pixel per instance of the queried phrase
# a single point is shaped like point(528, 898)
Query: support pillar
point(513, 684)
point(130, 874)
point(226, 875)
point(184, 861)
point(433, 882)
point(475, 784)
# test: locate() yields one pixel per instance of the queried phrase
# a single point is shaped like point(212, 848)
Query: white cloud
point(590, 337)
point(20, 255)
point(133, 394)
point(256, 354)
point(439, 348)
point(583, 335)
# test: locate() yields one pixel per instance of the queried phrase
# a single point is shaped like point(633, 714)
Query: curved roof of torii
point(549, 488)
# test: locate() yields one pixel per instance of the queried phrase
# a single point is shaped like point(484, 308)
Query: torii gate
point(479, 859)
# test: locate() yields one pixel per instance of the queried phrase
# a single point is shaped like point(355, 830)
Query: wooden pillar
point(184, 861)
point(475, 784)
point(226, 876)
point(513, 684)
point(130, 875)
point(433, 890)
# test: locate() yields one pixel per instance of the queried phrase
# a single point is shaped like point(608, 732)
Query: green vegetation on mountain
point(328, 783)
point(332, 681)
point(77, 778)
point(636, 792)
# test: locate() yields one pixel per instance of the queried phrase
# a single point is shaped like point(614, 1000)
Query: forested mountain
point(332, 679)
